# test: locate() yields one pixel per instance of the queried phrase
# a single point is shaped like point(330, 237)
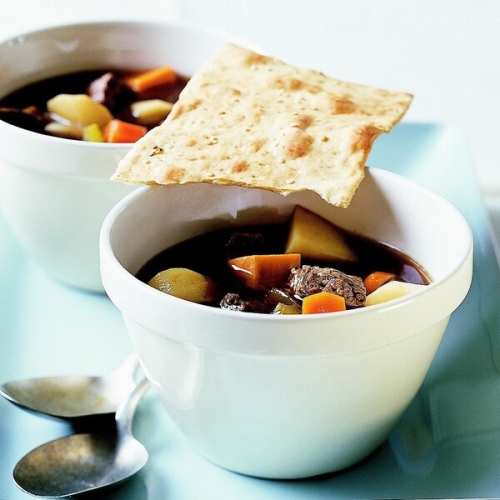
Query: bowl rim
point(171, 24)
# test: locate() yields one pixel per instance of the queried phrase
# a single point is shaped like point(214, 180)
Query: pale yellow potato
point(150, 111)
point(79, 109)
point(64, 130)
point(316, 238)
point(184, 284)
point(390, 291)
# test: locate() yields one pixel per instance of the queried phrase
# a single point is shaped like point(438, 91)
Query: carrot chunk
point(120, 131)
point(152, 78)
point(376, 280)
point(323, 302)
point(264, 271)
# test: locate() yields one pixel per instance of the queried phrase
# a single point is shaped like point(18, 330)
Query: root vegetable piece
point(185, 284)
point(79, 109)
point(148, 79)
point(316, 238)
point(323, 302)
point(66, 131)
point(119, 131)
point(259, 272)
point(150, 112)
point(390, 291)
point(377, 279)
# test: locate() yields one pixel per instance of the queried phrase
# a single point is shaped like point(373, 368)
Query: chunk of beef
point(235, 302)
point(29, 118)
point(242, 243)
point(111, 92)
point(307, 280)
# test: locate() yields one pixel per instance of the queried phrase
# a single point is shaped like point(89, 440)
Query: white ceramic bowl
point(55, 192)
point(286, 396)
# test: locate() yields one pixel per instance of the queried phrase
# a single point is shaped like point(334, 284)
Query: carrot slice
point(264, 271)
point(376, 280)
point(152, 78)
point(120, 131)
point(323, 302)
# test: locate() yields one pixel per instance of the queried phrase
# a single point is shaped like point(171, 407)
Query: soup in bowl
point(276, 395)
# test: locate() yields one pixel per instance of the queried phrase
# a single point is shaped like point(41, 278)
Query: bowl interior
point(386, 207)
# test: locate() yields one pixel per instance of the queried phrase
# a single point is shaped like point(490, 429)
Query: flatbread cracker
point(252, 120)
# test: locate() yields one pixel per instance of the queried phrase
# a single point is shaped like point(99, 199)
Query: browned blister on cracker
point(252, 120)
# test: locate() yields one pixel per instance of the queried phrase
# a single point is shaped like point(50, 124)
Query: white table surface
point(444, 52)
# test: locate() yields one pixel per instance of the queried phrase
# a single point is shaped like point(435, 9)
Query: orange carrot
point(264, 271)
point(323, 302)
point(376, 280)
point(152, 78)
point(120, 131)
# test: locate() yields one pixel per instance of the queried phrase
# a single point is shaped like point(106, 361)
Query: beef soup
point(51, 106)
point(294, 267)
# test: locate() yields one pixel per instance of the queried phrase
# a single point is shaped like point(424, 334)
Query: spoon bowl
point(86, 462)
point(77, 399)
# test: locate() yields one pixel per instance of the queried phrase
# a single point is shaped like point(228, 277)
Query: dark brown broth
point(207, 254)
point(38, 93)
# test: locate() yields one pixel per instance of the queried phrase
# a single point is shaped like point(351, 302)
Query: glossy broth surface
point(209, 253)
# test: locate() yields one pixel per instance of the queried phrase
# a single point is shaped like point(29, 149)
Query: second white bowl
point(55, 192)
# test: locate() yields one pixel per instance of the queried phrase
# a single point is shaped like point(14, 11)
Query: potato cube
point(79, 109)
point(185, 284)
point(316, 238)
point(390, 291)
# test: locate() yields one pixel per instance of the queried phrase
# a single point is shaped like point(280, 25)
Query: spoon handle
point(126, 411)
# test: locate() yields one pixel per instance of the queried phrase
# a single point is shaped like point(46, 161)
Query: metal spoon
point(77, 399)
point(82, 463)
